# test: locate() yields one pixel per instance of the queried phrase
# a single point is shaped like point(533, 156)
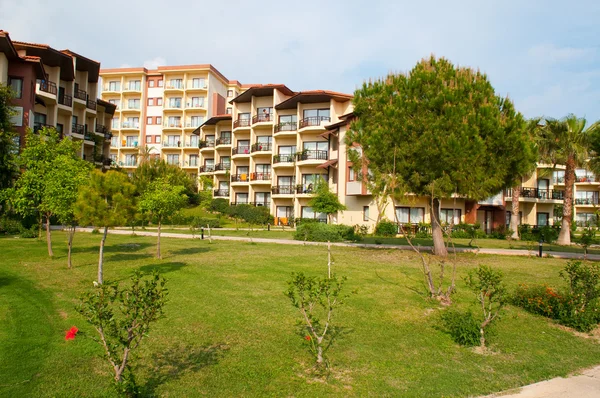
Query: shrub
point(538, 299)
point(461, 326)
point(548, 233)
point(319, 232)
point(29, 233)
point(467, 231)
point(219, 205)
point(201, 222)
point(386, 228)
point(9, 226)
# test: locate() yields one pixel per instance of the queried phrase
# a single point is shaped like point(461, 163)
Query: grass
point(230, 331)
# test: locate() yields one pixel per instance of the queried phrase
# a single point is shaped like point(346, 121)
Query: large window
point(365, 213)
point(130, 160)
point(410, 215)
point(583, 175)
point(586, 198)
point(193, 160)
point(131, 141)
point(309, 182)
point(558, 176)
point(542, 219)
point(241, 198)
point(176, 83)
point(132, 122)
point(173, 140)
point(114, 86)
point(174, 121)
point(173, 159)
point(194, 141)
point(133, 104)
point(446, 216)
point(509, 215)
point(175, 102)
point(135, 85)
point(262, 198)
point(320, 113)
point(307, 212)
point(16, 85)
point(198, 82)
point(585, 219)
point(197, 102)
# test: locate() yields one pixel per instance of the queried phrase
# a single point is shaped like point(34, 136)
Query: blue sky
point(544, 54)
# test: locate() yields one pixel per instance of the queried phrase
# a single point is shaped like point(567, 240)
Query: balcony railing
point(206, 144)
point(37, 126)
point(224, 141)
point(536, 193)
point(130, 144)
point(241, 123)
point(171, 144)
point(311, 155)
point(221, 192)
point(261, 147)
point(305, 188)
point(65, 100)
point(130, 125)
point(559, 180)
point(283, 190)
point(80, 94)
point(244, 177)
point(256, 204)
point(47, 86)
point(78, 128)
point(128, 163)
point(207, 169)
point(173, 124)
point(287, 126)
point(241, 150)
point(262, 118)
point(222, 166)
point(587, 201)
point(585, 179)
point(260, 176)
point(192, 163)
point(314, 121)
point(91, 104)
point(284, 158)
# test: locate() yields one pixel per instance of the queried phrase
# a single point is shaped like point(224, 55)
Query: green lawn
point(230, 331)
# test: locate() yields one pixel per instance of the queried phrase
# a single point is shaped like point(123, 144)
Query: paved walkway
point(584, 385)
point(502, 252)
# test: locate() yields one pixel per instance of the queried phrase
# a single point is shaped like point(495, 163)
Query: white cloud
point(154, 62)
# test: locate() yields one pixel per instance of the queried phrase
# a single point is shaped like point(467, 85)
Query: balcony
point(283, 190)
point(284, 158)
point(178, 86)
point(589, 178)
point(113, 88)
point(80, 95)
point(239, 177)
point(128, 163)
point(130, 144)
point(311, 155)
point(91, 104)
point(287, 126)
point(314, 121)
point(307, 189)
point(241, 123)
point(224, 141)
point(263, 118)
point(222, 166)
point(130, 125)
point(65, 100)
point(241, 150)
point(174, 125)
point(261, 147)
point(260, 176)
point(131, 86)
point(587, 201)
point(206, 144)
point(255, 204)
point(78, 129)
point(191, 163)
point(207, 169)
point(221, 192)
point(171, 144)
point(37, 126)
point(196, 86)
point(536, 193)
point(47, 86)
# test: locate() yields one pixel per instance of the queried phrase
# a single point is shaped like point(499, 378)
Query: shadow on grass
point(114, 248)
point(161, 268)
point(6, 280)
point(190, 250)
point(176, 361)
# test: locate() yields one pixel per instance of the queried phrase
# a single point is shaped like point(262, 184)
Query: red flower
point(71, 333)
point(307, 338)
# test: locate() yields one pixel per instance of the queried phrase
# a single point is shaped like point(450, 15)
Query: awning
point(327, 133)
point(327, 164)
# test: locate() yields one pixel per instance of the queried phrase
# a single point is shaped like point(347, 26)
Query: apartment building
point(57, 89)
point(159, 112)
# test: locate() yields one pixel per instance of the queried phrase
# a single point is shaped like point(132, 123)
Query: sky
point(544, 55)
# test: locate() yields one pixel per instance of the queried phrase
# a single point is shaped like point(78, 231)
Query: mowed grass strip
point(230, 331)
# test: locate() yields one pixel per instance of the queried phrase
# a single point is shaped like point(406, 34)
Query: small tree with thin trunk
point(122, 318)
point(104, 203)
point(491, 294)
point(162, 200)
point(325, 201)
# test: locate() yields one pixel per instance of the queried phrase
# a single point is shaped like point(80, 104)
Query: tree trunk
point(564, 237)
point(101, 260)
point(439, 248)
point(514, 215)
point(70, 245)
point(49, 236)
point(158, 240)
point(482, 337)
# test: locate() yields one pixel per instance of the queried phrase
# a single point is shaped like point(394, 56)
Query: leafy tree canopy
point(7, 135)
point(151, 170)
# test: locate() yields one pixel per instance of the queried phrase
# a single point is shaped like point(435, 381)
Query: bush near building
point(320, 232)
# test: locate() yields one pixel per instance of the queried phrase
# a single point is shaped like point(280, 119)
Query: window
point(210, 140)
point(307, 212)
point(175, 83)
point(157, 139)
point(264, 114)
point(229, 93)
point(243, 146)
point(150, 101)
point(585, 219)
point(159, 120)
point(150, 83)
point(135, 85)
point(319, 114)
point(148, 139)
point(115, 102)
point(159, 101)
point(446, 216)
point(583, 175)
point(225, 137)
point(16, 85)
point(175, 102)
point(115, 123)
point(365, 213)
point(542, 219)
point(193, 160)
point(309, 182)
point(586, 198)
point(149, 120)
point(114, 142)
point(197, 102)
point(350, 174)
point(226, 161)
point(130, 160)
point(132, 122)
point(262, 199)
point(198, 82)
point(173, 141)
point(509, 215)
point(133, 104)
point(114, 86)
point(131, 141)
point(173, 159)
point(197, 121)
point(228, 111)
point(558, 176)
point(160, 83)
point(241, 198)
point(174, 121)
point(410, 215)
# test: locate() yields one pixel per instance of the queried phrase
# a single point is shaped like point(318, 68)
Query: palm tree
point(566, 141)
